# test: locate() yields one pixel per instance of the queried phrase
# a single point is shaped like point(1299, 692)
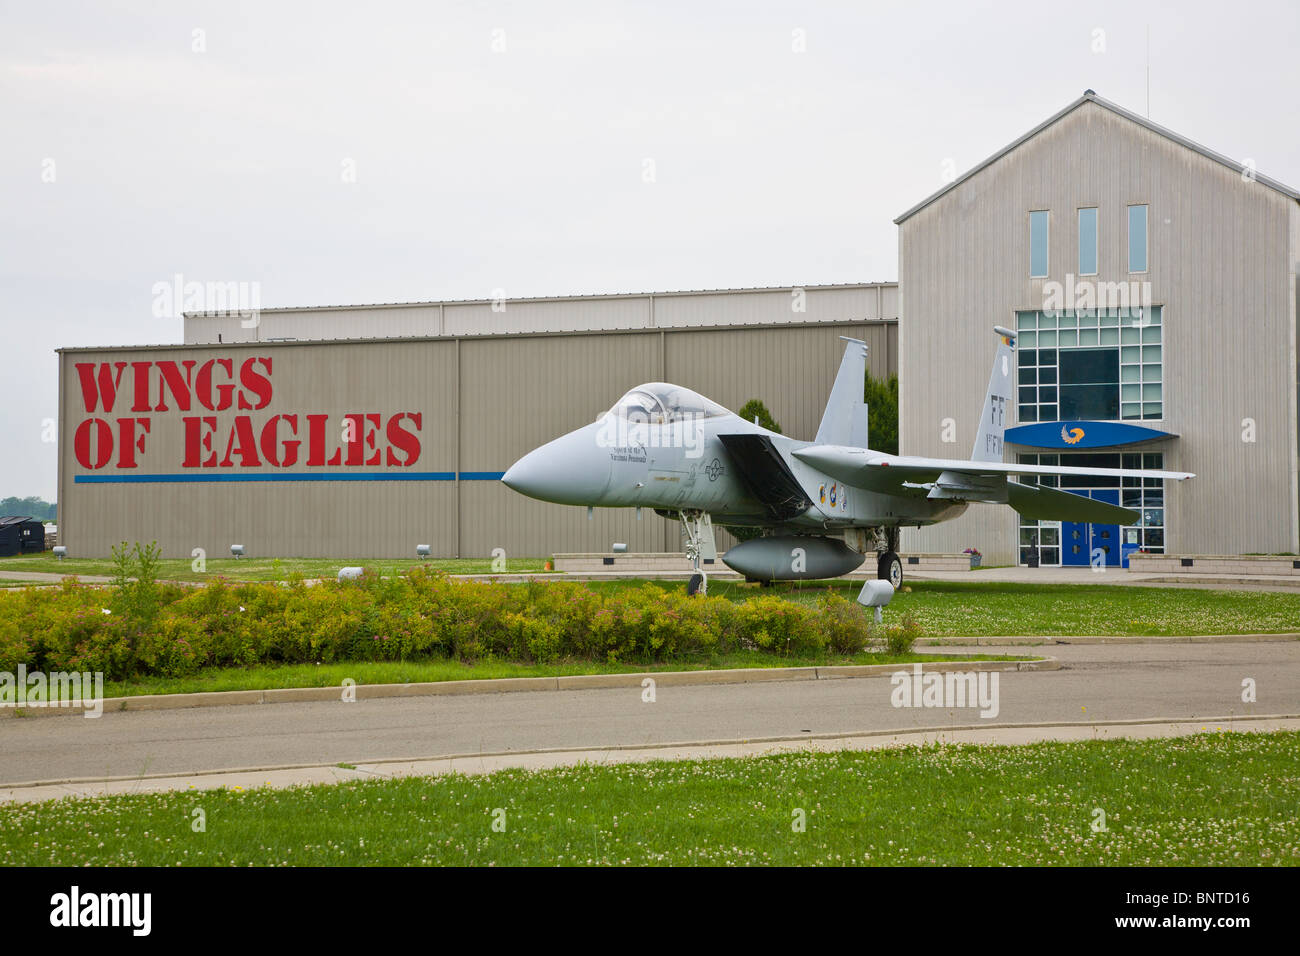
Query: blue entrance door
point(1080, 538)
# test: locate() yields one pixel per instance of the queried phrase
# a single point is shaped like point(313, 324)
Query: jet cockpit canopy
point(659, 403)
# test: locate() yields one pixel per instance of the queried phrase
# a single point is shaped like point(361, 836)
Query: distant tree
point(754, 408)
point(33, 507)
point(882, 413)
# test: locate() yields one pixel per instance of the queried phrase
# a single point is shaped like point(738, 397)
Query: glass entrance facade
point(1066, 543)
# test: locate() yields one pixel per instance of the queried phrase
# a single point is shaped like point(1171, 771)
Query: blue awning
point(1072, 436)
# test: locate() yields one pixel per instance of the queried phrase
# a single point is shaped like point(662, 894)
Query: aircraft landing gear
point(699, 545)
point(889, 567)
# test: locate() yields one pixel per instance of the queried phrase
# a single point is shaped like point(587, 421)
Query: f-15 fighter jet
point(823, 505)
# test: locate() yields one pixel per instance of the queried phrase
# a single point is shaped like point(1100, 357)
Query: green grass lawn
point(268, 676)
point(262, 569)
point(980, 609)
point(1214, 799)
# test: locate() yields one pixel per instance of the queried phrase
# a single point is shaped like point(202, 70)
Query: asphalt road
point(1097, 682)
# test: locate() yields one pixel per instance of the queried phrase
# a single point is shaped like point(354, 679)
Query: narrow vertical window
point(1137, 238)
point(1038, 244)
point(1087, 242)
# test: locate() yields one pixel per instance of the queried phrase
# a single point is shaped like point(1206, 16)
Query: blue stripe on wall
point(289, 476)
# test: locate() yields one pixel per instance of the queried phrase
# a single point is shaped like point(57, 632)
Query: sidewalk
point(280, 777)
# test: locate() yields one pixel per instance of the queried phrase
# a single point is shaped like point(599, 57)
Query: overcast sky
point(505, 146)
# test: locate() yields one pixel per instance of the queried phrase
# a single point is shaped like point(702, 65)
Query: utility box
point(20, 534)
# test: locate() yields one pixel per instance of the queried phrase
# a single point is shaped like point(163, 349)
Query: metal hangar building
point(1152, 283)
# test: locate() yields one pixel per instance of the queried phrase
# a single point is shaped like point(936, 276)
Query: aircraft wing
point(766, 475)
point(877, 471)
point(975, 481)
point(1049, 504)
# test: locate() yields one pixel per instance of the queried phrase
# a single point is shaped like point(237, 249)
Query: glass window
point(1089, 366)
point(1087, 242)
point(1137, 238)
point(1102, 370)
point(1038, 244)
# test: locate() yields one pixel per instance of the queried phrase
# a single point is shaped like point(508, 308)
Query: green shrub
point(846, 624)
point(899, 638)
point(143, 628)
point(14, 647)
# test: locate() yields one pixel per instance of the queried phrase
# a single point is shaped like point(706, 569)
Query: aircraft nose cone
point(572, 470)
point(527, 476)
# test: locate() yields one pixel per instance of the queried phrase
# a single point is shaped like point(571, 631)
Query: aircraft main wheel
point(890, 568)
point(695, 585)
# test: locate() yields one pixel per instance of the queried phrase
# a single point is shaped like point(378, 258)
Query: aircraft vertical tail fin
point(997, 401)
point(845, 420)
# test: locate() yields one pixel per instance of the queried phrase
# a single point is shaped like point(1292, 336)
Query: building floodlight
point(876, 594)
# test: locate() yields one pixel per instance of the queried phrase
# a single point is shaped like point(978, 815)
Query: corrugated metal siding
point(517, 394)
point(1219, 264)
point(307, 518)
point(485, 402)
point(562, 315)
point(841, 303)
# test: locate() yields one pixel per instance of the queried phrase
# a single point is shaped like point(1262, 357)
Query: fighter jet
point(823, 505)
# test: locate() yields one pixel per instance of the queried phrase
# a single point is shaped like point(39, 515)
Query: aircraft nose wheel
point(890, 568)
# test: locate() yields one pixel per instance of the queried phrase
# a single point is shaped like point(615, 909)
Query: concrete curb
point(487, 762)
point(506, 685)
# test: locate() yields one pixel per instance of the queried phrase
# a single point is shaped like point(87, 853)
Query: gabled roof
point(1090, 97)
